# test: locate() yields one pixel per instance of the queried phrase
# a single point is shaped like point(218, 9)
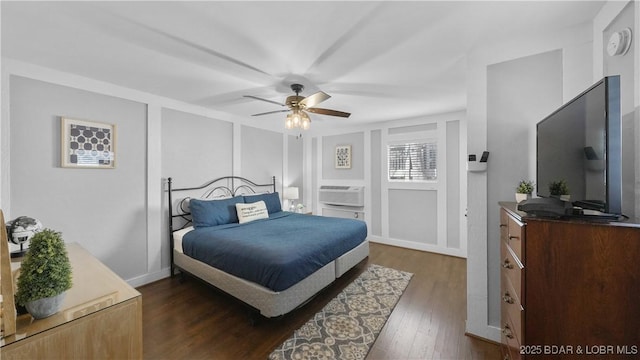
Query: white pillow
point(252, 211)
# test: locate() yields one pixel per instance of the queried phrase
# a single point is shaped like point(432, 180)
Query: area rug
point(349, 324)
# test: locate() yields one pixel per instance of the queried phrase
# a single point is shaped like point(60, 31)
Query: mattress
point(277, 252)
point(177, 238)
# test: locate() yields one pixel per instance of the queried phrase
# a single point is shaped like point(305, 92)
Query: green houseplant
point(559, 189)
point(524, 190)
point(45, 274)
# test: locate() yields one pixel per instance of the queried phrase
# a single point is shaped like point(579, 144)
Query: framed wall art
point(343, 157)
point(87, 144)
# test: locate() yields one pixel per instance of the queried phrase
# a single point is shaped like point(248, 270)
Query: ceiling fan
point(299, 106)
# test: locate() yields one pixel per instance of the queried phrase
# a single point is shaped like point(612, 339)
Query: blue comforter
point(277, 252)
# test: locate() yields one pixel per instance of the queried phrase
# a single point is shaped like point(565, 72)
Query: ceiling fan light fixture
point(306, 122)
point(299, 105)
point(296, 118)
point(289, 122)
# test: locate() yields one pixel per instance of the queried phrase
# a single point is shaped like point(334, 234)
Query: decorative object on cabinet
point(20, 230)
point(559, 189)
point(87, 144)
point(300, 208)
point(343, 157)
point(524, 190)
point(45, 274)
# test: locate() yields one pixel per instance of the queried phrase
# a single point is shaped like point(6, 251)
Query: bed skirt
point(266, 301)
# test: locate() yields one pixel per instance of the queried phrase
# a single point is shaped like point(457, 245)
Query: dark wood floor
point(190, 320)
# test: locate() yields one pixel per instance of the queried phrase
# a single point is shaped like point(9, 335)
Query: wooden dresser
point(569, 289)
point(100, 318)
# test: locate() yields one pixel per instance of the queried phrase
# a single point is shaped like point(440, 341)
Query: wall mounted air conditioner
point(341, 195)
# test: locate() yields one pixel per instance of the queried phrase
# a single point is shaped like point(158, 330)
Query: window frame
point(406, 141)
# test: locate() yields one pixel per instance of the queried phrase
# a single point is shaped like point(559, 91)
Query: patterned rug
point(349, 324)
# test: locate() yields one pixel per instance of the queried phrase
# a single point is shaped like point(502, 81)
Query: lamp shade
point(290, 193)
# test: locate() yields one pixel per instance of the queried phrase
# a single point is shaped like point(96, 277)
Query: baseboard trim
point(417, 246)
point(484, 331)
point(149, 278)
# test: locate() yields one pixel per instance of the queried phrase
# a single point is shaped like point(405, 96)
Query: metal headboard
point(244, 185)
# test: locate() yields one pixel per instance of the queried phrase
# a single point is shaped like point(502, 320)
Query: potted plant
point(524, 190)
point(45, 274)
point(559, 189)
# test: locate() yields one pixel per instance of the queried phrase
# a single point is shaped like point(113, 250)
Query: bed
point(231, 232)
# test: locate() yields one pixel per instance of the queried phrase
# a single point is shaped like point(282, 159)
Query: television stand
point(566, 282)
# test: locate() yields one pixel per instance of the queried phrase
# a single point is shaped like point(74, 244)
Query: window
point(413, 161)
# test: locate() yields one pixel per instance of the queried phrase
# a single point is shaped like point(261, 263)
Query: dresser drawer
point(513, 270)
point(515, 237)
point(511, 308)
point(509, 339)
point(506, 354)
point(504, 225)
point(511, 354)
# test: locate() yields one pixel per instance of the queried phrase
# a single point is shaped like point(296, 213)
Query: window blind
point(413, 161)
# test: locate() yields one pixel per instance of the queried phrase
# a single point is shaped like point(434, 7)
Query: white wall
point(582, 65)
point(124, 225)
point(576, 75)
point(511, 119)
point(424, 216)
point(83, 204)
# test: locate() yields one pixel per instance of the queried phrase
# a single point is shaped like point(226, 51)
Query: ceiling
point(379, 60)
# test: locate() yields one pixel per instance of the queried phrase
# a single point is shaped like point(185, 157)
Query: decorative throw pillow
point(206, 213)
point(251, 212)
point(271, 199)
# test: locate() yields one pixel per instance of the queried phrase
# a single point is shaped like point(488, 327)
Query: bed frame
point(265, 301)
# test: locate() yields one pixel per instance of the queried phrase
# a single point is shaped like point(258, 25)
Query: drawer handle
point(503, 225)
point(507, 298)
point(507, 332)
point(507, 264)
point(512, 237)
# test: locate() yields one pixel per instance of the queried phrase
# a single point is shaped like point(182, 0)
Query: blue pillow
point(206, 213)
point(272, 200)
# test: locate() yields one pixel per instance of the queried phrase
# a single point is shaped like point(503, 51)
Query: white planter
point(521, 197)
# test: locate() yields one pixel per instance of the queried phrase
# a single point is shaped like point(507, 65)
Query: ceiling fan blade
point(314, 99)
point(329, 112)
point(261, 99)
point(270, 112)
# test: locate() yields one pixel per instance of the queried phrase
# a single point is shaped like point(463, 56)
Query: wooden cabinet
point(569, 289)
point(512, 236)
point(100, 318)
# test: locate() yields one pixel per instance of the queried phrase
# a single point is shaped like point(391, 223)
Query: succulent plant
point(558, 188)
point(525, 187)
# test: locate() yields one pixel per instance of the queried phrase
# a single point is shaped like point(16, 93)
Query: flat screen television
point(581, 144)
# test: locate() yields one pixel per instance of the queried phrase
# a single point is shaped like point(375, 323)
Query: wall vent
point(341, 195)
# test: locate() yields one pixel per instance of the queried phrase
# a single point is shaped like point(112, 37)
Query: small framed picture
point(87, 144)
point(343, 157)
